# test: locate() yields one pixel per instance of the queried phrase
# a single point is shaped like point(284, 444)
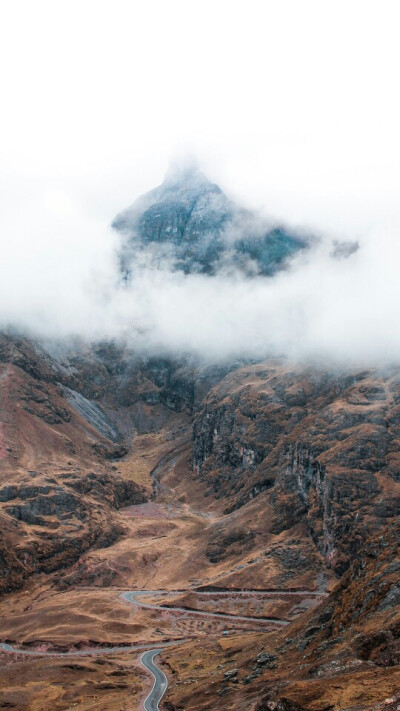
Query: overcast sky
point(291, 106)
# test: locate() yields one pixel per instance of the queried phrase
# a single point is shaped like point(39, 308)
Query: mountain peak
point(191, 223)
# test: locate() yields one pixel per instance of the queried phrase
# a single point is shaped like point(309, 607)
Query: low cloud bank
point(65, 282)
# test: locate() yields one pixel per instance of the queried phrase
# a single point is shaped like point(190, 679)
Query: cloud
point(290, 107)
point(321, 308)
point(65, 281)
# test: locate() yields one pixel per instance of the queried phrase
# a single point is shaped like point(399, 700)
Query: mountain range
point(241, 517)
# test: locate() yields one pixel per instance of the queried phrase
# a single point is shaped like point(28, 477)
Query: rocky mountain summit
point(189, 224)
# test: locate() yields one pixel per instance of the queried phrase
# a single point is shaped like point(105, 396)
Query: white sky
point(290, 105)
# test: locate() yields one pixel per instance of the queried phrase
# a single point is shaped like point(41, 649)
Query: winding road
point(132, 596)
point(160, 680)
point(84, 652)
point(160, 683)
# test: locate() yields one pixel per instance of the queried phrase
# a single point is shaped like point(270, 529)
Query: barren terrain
point(256, 513)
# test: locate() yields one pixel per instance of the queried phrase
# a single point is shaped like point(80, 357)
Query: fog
point(318, 307)
point(291, 109)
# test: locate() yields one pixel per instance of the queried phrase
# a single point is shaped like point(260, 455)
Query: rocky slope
point(344, 655)
point(68, 416)
point(59, 491)
point(320, 448)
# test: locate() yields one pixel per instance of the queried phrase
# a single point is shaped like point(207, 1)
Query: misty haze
point(186, 270)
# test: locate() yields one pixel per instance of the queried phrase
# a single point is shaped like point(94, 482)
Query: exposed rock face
point(107, 487)
point(368, 595)
point(189, 222)
point(48, 525)
point(323, 446)
point(109, 378)
point(109, 385)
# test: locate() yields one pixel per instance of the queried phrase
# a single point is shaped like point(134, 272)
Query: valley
point(225, 523)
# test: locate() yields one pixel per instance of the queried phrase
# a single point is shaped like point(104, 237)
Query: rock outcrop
point(46, 525)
